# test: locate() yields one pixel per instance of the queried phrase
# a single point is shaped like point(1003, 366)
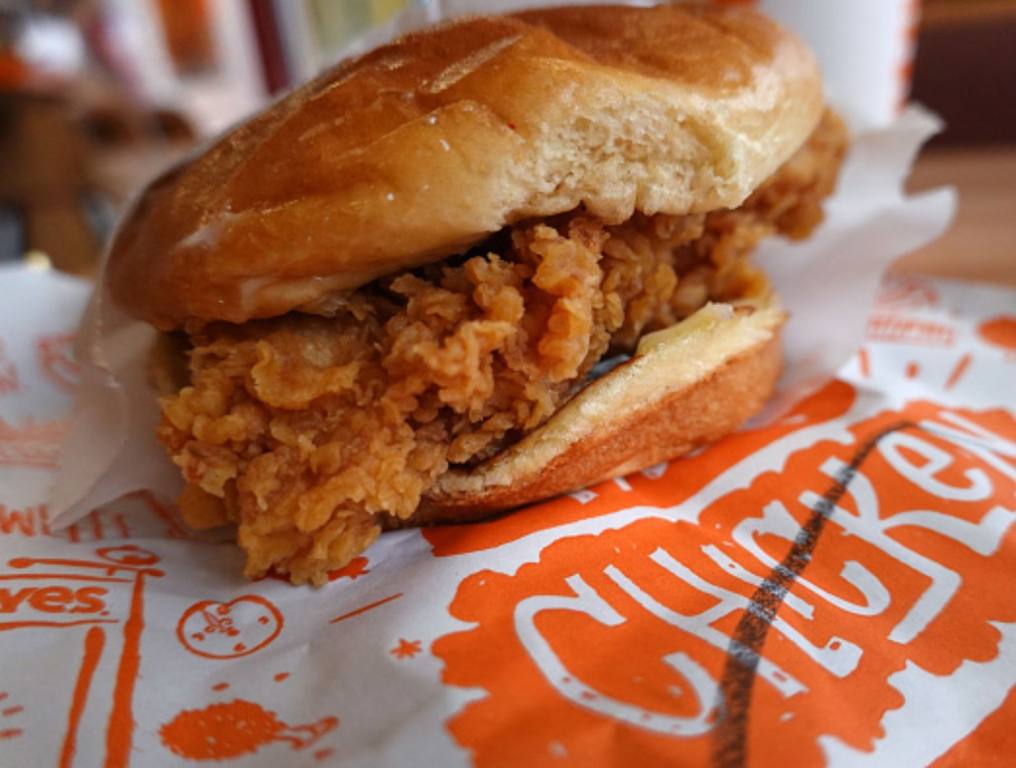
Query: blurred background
point(96, 96)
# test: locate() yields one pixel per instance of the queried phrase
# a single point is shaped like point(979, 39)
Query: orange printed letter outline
point(588, 602)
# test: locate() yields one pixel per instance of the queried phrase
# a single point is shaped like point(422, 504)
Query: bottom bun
point(685, 386)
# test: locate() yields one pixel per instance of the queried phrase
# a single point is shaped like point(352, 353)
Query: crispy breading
point(306, 430)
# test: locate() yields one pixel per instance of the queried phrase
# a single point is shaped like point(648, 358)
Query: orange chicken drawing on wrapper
point(232, 729)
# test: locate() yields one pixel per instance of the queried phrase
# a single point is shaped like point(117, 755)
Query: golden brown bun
point(688, 385)
point(431, 143)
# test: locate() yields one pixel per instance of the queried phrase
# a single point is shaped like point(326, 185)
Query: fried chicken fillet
point(399, 293)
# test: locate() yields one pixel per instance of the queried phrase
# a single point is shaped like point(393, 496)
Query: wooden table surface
point(981, 244)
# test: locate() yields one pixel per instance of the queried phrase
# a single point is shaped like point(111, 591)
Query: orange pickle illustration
point(234, 729)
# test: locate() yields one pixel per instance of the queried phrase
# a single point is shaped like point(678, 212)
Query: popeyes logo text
point(53, 599)
point(777, 614)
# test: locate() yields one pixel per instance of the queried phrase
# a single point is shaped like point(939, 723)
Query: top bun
point(427, 145)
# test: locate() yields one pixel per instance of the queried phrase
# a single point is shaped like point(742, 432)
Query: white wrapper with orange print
point(801, 594)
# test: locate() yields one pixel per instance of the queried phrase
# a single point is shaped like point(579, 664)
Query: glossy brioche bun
point(686, 386)
point(428, 145)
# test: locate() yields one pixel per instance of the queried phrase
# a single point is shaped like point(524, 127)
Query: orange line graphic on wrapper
point(863, 362)
point(135, 563)
point(96, 525)
point(121, 719)
point(173, 527)
point(365, 608)
point(10, 733)
point(958, 371)
point(121, 526)
point(27, 624)
point(60, 577)
point(95, 639)
point(120, 724)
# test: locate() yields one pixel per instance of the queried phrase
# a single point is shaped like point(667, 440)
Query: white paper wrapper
point(598, 629)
